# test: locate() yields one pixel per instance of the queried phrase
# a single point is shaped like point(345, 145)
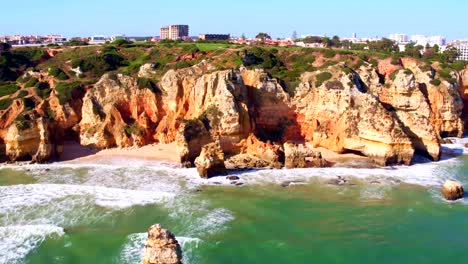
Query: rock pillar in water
point(161, 247)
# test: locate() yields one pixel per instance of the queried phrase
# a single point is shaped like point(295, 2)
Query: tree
point(294, 35)
point(263, 36)
point(243, 36)
point(4, 46)
point(436, 49)
point(383, 45)
point(450, 54)
point(326, 42)
point(336, 42)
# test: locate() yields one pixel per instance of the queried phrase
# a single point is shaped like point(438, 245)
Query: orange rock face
point(249, 113)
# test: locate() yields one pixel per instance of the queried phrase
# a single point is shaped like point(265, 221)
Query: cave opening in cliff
point(354, 152)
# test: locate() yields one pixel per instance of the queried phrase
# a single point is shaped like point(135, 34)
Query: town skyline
point(242, 17)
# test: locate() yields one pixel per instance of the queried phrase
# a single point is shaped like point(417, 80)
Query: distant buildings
point(431, 40)
point(462, 48)
point(214, 36)
point(399, 38)
point(33, 40)
point(175, 32)
point(97, 39)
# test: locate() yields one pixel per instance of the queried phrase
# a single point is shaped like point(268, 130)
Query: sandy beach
point(74, 152)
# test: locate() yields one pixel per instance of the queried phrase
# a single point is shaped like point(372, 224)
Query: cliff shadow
point(272, 118)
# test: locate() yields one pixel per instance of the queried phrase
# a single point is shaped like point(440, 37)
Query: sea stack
point(161, 247)
point(210, 163)
point(452, 190)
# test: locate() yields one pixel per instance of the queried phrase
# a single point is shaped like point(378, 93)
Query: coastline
point(75, 153)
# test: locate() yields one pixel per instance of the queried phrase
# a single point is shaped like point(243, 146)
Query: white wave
point(132, 251)
point(17, 241)
point(67, 205)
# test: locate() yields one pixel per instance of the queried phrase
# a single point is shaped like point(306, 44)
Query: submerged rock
point(452, 190)
point(161, 247)
point(210, 163)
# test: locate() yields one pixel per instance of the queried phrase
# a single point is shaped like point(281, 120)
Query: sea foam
point(17, 241)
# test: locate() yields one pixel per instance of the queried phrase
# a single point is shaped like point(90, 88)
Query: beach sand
point(74, 152)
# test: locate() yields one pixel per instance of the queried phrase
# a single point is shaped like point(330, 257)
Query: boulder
point(267, 154)
point(452, 190)
point(302, 156)
point(210, 163)
point(161, 247)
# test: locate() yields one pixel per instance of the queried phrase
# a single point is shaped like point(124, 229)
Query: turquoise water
point(99, 213)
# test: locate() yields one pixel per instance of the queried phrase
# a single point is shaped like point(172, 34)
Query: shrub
point(145, 83)
point(395, 60)
point(393, 75)
point(334, 85)
point(435, 82)
point(42, 89)
point(329, 53)
point(29, 103)
point(134, 129)
point(5, 103)
point(211, 117)
point(99, 64)
point(22, 123)
point(31, 83)
point(321, 78)
point(22, 94)
point(121, 42)
point(408, 72)
point(8, 89)
point(374, 62)
point(65, 90)
point(58, 73)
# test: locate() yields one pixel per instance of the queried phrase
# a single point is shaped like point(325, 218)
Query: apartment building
point(175, 32)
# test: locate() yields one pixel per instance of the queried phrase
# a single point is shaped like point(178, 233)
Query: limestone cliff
point(339, 115)
point(387, 114)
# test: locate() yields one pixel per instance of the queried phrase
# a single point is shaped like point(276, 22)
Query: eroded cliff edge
point(386, 116)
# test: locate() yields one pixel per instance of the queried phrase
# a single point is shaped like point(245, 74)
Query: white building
point(399, 38)
point(431, 41)
point(463, 50)
point(97, 39)
point(116, 37)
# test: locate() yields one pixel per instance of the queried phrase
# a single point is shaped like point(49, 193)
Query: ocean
point(99, 213)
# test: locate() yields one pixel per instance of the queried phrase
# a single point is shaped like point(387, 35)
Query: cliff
point(387, 113)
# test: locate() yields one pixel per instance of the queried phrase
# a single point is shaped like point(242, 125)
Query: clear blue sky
point(277, 17)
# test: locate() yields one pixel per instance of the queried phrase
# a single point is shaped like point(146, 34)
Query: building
point(214, 36)
point(175, 32)
point(97, 39)
point(431, 41)
point(116, 37)
point(399, 38)
point(462, 48)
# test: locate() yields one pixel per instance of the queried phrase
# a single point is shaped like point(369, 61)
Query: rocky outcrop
point(210, 163)
point(444, 100)
point(29, 140)
point(190, 139)
point(161, 247)
point(452, 190)
point(302, 156)
point(412, 110)
point(271, 154)
point(338, 115)
point(118, 113)
point(218, 98)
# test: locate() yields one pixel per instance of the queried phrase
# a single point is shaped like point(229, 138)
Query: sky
point(279, 18)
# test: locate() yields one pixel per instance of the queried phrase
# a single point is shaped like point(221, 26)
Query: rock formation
point(302, 156)
point(452, 190)
point(387, 114)
point(210, 163)
point(161, 247)
point(340, 115)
